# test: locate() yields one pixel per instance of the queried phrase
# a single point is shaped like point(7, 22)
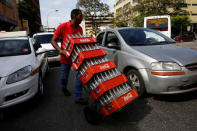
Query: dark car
point(185, 37)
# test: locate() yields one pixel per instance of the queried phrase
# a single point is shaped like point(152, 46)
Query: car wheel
point(40, 85)
point(1, 115)
point(136, 81)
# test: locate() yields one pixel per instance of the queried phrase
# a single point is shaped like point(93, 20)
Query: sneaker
point(81, 101)
point(66, 92)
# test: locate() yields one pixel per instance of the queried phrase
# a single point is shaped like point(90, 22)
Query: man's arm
point(56, 46)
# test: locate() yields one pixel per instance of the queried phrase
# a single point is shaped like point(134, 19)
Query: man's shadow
point(131, 114)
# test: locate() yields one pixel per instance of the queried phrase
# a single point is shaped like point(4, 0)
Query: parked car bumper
point(175, 84)
point(18, 92)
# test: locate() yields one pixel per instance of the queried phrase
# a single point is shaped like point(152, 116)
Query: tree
point(157, 7)
point(160, 7)
point(124, 17)
point(138, 21)
point(27, 12)
point(91, 10)
point(179, 24)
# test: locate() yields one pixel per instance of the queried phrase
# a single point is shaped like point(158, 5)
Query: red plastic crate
point(87, 55)
point(107, 85)
point(92, 70)
point(119, 102)
point(78, 41)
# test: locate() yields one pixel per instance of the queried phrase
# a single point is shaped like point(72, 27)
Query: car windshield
point(44, 39)
point(142, 36)
point(14, 47)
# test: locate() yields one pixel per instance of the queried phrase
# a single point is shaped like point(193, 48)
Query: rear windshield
point(14, 47)
point(44, 39)
point(143, 36)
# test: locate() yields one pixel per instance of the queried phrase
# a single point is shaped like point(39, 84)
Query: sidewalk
point(192, 45)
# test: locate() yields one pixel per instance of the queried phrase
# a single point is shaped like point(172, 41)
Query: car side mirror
point(37, 46)
point(113, 45)
point(40, 51)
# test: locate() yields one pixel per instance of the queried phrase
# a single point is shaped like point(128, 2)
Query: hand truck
point(107, 87)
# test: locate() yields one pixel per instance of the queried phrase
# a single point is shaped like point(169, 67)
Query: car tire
point(40, 85)
point(136, 81)
point(1, 115)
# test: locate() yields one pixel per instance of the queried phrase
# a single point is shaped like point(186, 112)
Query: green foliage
point(119, 23)
point(162, 7)
point(159, 7)
point(138, 21)
point(179, 24)
point(91, 9)
point(124, 17)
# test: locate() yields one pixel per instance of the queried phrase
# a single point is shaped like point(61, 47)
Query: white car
point(22, 68)
point(44, 39)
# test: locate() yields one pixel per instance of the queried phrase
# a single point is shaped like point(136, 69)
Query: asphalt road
point(55, 112)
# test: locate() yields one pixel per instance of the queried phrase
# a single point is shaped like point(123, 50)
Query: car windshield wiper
point(162, 42)
point(171, 42)
point(137, 44)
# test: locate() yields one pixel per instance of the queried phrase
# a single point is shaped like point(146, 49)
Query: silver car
point(152, 62)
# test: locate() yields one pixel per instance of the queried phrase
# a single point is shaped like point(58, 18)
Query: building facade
point(122, 11)
point(9, 17)
point(122, 4)
point(190, 6)
point(32, 25)
point(102, 22)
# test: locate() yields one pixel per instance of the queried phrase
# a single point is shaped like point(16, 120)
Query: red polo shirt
point(61, 32)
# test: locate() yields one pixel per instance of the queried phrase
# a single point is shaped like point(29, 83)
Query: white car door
point(41, 58)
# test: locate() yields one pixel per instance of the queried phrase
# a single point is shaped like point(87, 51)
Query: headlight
point(165, 66)
point(19, 75)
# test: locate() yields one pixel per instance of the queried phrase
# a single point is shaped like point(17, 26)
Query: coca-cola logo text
point(84, 40)
point(128, 96)
point(104, 66)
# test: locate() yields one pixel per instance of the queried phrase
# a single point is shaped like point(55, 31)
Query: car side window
point(100, 38)
point(111, 38)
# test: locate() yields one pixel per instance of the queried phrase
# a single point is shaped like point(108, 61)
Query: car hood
point(171, 52)
point(10, 64)
point(49, 46)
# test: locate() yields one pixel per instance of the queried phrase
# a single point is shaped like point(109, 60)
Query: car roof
point(44, 33)
point(14, 34)
point(14, 38)
point(117, 29)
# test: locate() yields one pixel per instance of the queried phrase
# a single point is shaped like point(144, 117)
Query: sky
point(64, 7)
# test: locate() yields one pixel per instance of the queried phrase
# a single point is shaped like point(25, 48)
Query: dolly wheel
point(92, 116)
point(1, 115)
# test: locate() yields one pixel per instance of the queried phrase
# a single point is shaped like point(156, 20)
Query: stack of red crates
point(106, 85)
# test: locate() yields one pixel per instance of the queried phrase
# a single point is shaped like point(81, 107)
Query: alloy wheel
point(134, 81)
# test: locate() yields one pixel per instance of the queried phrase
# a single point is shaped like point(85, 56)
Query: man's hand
point(61, 52)
point(56, 46)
